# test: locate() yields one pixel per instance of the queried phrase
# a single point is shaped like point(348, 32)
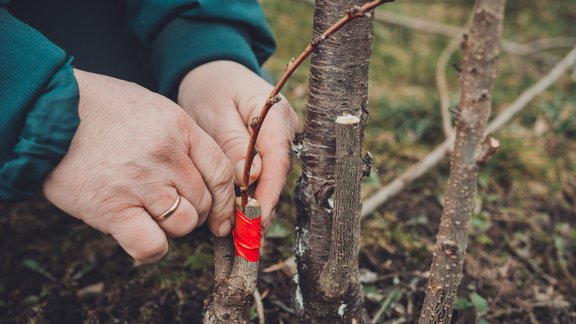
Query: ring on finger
point(169, 212)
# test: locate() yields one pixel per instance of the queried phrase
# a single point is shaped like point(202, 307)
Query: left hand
point(223, 97)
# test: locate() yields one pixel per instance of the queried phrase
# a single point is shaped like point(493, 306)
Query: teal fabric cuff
point(27, 62)
point(185, 44)
point(183, 34)
point(44, 139)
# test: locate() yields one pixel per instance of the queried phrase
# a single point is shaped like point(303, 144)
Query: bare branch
point(510, 47)
point(442, 84)
point(433, 158)
point(533, 91)
point(259, 307)
point(481, 49)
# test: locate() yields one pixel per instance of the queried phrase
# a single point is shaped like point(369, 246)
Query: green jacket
point(39, 94)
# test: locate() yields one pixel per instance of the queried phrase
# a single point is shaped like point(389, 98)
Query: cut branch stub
point(341, 269)
point(235, 284)
point(489, 147)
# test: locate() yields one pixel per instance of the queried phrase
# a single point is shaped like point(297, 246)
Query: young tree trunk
point(471, 151)
point(338, 85)
point(234, 280)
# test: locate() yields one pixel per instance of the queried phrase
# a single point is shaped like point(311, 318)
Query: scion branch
point(256, 125)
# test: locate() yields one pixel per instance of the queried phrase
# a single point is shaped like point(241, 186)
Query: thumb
point(255, 169)
point(233, 137)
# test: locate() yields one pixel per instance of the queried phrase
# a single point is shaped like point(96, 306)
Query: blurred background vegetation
point(522, 250)
point(523, 233)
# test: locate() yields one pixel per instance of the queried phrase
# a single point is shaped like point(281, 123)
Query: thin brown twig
point(355, 12)
point(259, 307)
point(442, 84)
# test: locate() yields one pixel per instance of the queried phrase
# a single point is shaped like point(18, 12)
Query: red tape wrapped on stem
point(247, 236)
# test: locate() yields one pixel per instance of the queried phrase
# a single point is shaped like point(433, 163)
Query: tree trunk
point(234, 280)
point(338, 86)
point(471, 151)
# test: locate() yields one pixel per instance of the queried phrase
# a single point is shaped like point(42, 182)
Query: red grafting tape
point(247, 235)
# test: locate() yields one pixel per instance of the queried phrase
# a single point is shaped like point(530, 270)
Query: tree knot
point(317, 40)
point(449, 247)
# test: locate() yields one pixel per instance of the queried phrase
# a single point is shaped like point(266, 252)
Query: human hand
point(223, 97)
point(132, 155)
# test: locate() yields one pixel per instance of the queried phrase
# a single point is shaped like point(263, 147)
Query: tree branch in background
point(433, 158)
point(531, 48)
point(560, 68)
point(442, 84)
point(471, 151)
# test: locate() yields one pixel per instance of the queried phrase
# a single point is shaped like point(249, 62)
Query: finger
point(218, 176)
point(276, 163)
point(190, 184)
point(183, 221)
point(234, 142)
point(255, 170)
point(139, 236)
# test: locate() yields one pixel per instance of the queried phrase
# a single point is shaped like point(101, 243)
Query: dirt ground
point(55, 269)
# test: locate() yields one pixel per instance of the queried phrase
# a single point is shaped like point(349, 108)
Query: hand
point(223, 97)
point(132, 155)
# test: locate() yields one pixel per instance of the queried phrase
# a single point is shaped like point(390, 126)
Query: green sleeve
point(183, 34)
point(39, 108)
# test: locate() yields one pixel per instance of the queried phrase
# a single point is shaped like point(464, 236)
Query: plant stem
point(355, 12)
point(471, 151)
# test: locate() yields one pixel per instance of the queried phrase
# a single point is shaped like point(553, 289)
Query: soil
point(55, 269)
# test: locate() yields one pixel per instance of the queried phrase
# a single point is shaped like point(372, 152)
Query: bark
point(471, 150)
point(338, 85)
point(234, 282)
point(341, 269)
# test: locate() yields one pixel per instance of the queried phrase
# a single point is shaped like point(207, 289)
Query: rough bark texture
point(341, 269)
point(338, 85)
point(233, 285)
point(471, 151)
point(223, 258)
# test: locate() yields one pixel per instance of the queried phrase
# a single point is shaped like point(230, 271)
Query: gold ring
point(169, 212)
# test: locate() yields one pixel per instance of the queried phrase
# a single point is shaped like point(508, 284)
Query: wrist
point(44, 139)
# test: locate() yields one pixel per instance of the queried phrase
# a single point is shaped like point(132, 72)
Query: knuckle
point(152, 251)
point(203, 208)
point(233, 141)
point(224, 177)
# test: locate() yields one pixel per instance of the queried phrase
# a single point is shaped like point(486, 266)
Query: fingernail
point(224, 228)
point(239, 171)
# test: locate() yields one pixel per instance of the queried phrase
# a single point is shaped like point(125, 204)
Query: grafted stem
point(256, 125)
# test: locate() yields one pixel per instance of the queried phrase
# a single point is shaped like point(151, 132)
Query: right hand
point(132, 155)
